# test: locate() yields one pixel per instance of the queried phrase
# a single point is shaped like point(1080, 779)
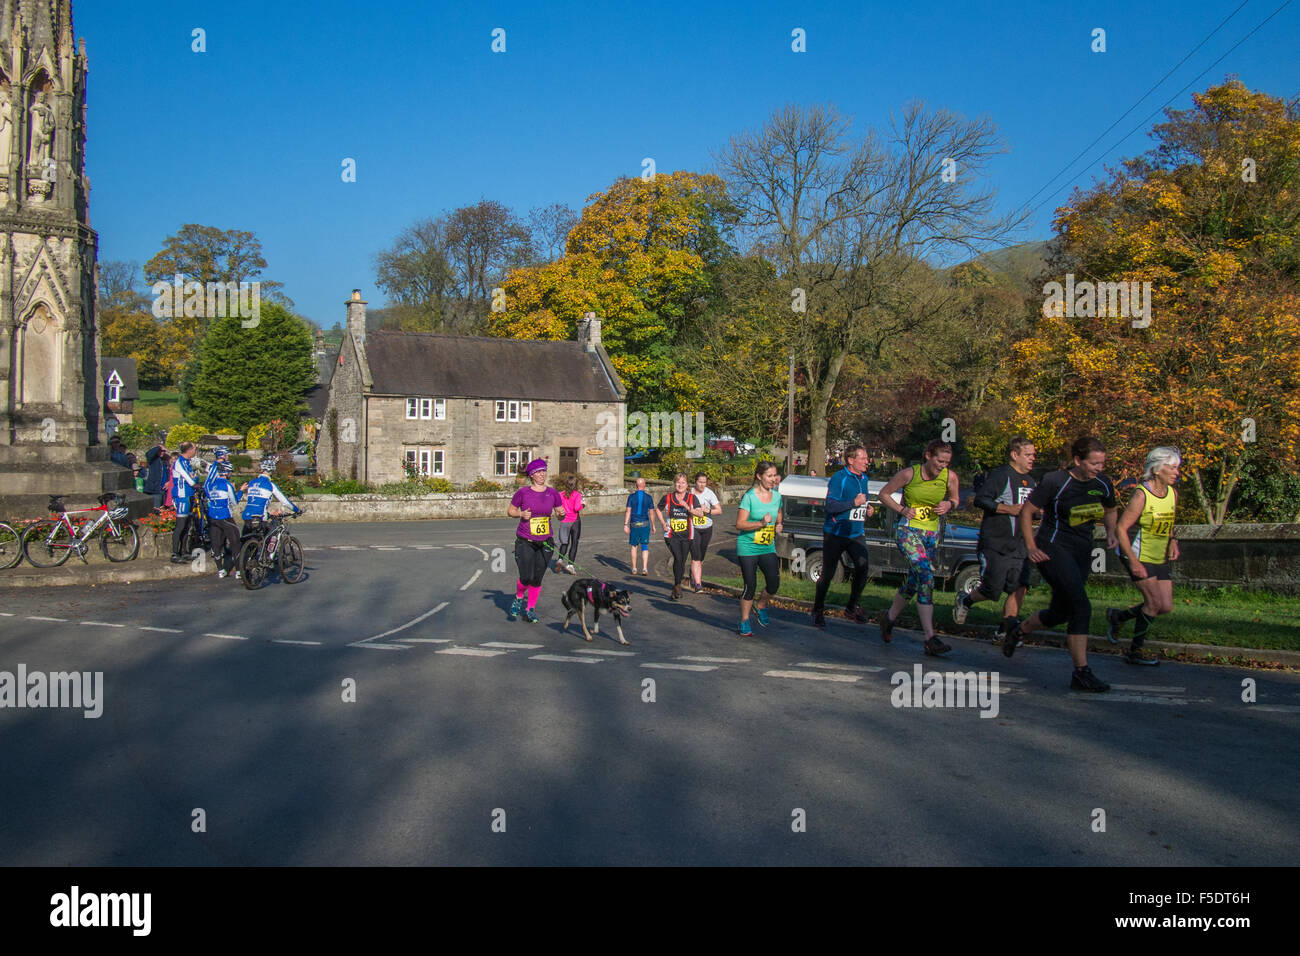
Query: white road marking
point(514, 647)
point(426, 547)
point(822, 665)
point(597, 650)
point(1003, 678)
point(469, 651)
point(1143, 699)
point(163, 630)
point(403, 627)
point(6, 614)
point(101, 624)
point(1276, 708)
point(477, 572)
point(1149, 688)
point(227, 637)
point(474, 546)
point(682, 667)
point(384, 547)
point(425, 640)
point(380, 647)
point(717, 660)
point(285, 641)
point(841, 678)
point(61, 620)
point(564, 660)
point(347, 547)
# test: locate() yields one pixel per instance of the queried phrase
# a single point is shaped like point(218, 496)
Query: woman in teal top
point(759, 521)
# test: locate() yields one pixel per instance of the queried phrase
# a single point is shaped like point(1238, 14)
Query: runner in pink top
point(571, 526)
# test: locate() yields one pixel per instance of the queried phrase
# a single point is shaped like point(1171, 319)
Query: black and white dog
point(600, 596)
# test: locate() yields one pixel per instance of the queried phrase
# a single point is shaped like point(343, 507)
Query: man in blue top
point(847, 508)
point(219, 454)
point(182, 498)
point(637, 522)
point(260, 492)
point(222, 499)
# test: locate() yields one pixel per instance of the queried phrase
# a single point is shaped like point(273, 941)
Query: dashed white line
point(425, 640)
point(1149, 688)
point(1276, 708)
point(286, 641)
point(514, 647)
point(477, 572)
point(347, 547)
point(380, 647)
point(6, 614)
point(682, 667)
point(101, 624)
point(470, 651)
point(384, 547)
point(426, 547)
point(61, 620)
point(598, 650)
point(805, 675)
point(560, 658)
point(716, 660)
point(227, 637)
point(163, 630)
point(822, 665)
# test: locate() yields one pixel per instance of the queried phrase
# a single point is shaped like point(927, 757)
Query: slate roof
point(126, 371)
point(318, 399)
point(465, 366)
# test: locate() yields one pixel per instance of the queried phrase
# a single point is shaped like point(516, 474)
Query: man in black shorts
point(1004, 566)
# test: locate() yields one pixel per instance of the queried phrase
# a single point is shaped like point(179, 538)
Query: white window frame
point(500, 410)
point(428, 462)
point(412, 408)
point(519, 457)
point(114, 384)
point(426, 409)
point(525, 411)
point(438, 465)
point(439, 409)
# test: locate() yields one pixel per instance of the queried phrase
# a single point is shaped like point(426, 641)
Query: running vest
point(679, 515)
point(923, 496)
point(1151, 544)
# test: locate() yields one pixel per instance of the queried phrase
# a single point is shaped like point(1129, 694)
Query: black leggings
point(531, 557)
point(178, 533)
point(224, 535)
point(569, 549)
point(1066, 570)
point(834, 545)
point(749, 566)
point(680, 549)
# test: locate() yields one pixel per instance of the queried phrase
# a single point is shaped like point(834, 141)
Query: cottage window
point(412, 407)
point(426, 408)
point(510, 460)
point(501, 411)
point(525, 411)
point(114, 393)
point(439, 408)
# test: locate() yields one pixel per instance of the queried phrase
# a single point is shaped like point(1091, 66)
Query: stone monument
point(51, 393)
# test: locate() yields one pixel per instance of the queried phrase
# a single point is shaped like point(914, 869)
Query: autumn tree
point(1211, 218)
point(641, 257)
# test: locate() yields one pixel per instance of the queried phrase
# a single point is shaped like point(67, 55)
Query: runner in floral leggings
point(929, 490)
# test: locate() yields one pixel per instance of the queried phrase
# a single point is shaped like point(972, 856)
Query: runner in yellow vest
point(929, 491)
point(1152, 509)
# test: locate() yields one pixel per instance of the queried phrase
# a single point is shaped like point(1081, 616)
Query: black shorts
point(1002, 573)
point(700, 543)
point(1158, 571)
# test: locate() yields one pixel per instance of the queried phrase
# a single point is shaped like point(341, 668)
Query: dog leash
point(547, 544)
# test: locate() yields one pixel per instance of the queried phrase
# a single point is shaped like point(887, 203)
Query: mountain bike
point(271, 547)
point(11, 547)
point(48, 543)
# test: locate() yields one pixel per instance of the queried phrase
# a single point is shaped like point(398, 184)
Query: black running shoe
point(1011, 640)
point(855, 613)
point(960, 609)
point(1138, 657)
point(1085, 679)
point(886, 628)
point(819, 619)
point(936, 648)
point(1112, 632)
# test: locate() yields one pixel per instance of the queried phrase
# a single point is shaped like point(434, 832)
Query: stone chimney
point(357, 316)
point(589, 331)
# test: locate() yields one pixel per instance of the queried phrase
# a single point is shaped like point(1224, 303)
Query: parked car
point(804, 501)
point(301, 457)
point(647, 456)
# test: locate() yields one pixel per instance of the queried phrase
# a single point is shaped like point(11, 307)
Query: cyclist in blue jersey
point(260, 491)
point(219, 454)
point(847, 509)
point(182, 497)
point(222, 499)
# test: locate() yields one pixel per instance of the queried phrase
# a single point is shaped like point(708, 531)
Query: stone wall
point(324, 508)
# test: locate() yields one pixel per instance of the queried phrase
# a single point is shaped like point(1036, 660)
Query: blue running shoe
point(746, 629)
point(515, 607)
point(761, 614)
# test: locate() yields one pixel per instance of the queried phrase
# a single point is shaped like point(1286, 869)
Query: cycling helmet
point(221, 451)
point(225, 469)
point(268, 463)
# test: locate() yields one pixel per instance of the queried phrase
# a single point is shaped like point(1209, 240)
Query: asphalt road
point(473, 739)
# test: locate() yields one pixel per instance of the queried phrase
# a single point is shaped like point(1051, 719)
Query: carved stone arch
point(41, 340)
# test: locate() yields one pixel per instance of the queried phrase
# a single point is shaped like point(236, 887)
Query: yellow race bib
point(678, 525)
point(1161, 529)
point(923, 512)
point(765, 535)
point(1081, 514)
point(540, 526)
point(699, 521)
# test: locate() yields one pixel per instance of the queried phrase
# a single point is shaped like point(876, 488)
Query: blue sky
point(252, 133)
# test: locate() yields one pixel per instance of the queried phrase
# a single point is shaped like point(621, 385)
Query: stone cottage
point(464, 407)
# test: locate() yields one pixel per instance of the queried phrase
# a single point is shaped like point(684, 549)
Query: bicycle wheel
point(47, 543)
point(123, 546)
point(11, 547)
point(251, 569)
point(292, 565)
